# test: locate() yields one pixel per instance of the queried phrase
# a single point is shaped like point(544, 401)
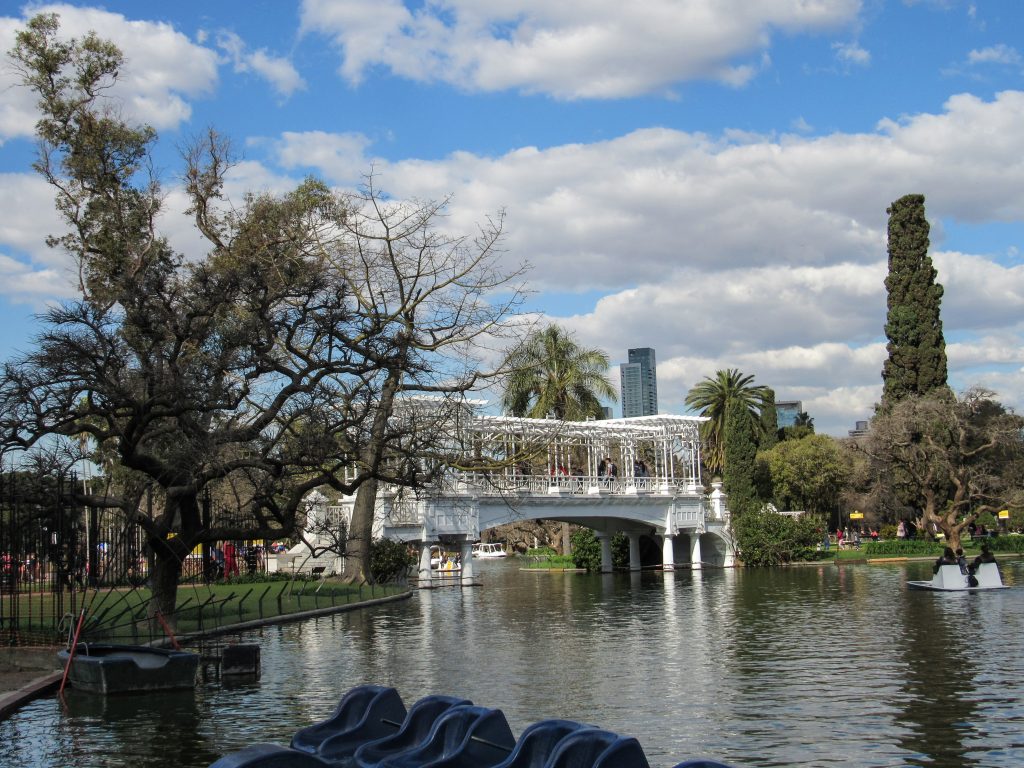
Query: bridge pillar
point(606, 550)
point(634, 551)
point(668, 554)
point(695, 563)
point(424, 569)
point(466, 550)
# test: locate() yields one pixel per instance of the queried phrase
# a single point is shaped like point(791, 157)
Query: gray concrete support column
point(606, 550)
point(466, 552)
point(424, 569)
point(634, 551)
point(695, 562)
point(668, 553)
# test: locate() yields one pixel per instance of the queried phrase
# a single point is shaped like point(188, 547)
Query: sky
point(709, 178)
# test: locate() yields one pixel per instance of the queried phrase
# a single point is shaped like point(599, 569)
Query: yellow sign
point(856, 515)
point(1004, 514)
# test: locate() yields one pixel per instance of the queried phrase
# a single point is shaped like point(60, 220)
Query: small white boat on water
point(949, 578)
point(486, 550)
point(445, 562)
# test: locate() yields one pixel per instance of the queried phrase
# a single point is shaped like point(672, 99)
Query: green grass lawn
point(120, 615)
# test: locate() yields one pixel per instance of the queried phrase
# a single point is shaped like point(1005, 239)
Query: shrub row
point(1006, 543)
point(902, 548)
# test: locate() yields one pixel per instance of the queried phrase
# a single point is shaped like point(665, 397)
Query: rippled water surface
point(812, 666)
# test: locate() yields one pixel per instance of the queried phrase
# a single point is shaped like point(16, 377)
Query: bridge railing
point(540, 485)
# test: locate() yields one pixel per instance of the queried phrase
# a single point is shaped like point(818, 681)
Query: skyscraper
point(786, 412)
point(639, 383)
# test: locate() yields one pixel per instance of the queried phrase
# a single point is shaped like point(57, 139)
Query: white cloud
point(23, 283)
point(852, 53)
point(571, 49)
point(279, 72)
point(760, 252)
point(340, 157)
point(995, 54)
point(165, 69)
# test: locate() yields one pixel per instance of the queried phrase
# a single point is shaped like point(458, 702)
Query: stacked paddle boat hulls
point(371, 728)
point(109, 669)
point(949, 578)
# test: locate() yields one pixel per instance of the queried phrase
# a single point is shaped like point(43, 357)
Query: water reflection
point(811, 666)
point(938, 674)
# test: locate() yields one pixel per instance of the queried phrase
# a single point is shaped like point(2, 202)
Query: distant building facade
point(860, 429)
point(786, 412)
point(638, 381)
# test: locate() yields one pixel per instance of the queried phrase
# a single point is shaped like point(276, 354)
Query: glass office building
point(639, 383)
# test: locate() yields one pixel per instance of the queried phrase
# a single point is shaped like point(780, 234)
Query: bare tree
point(435, 301)
point(951, 459)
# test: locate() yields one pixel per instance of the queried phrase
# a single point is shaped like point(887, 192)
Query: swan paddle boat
point(950, 579)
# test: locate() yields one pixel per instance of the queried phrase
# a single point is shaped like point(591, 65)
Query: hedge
point(902, 548)
point(1005, 543)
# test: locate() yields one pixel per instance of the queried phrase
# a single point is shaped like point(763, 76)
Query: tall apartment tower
point(639, 383)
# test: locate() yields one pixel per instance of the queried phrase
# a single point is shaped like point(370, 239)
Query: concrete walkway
point(25, 674)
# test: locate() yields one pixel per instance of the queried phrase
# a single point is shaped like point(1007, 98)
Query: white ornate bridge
point(552, 470)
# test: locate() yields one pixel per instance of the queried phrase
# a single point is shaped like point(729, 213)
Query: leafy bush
point(1006, 543)
point(902, 548)
point(586, 550)
point(540, 552)
point(552, 561)
point(389, 560)
point(768, 538)
point(259, 577)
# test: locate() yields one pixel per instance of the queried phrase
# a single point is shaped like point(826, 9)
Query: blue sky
point(706, 178)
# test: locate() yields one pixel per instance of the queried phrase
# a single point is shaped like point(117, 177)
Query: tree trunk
point(163, 581)
point(357, 559)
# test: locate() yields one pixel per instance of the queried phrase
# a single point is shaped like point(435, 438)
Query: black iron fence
point(54, 553)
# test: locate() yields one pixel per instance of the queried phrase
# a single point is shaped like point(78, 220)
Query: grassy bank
point(120, 615)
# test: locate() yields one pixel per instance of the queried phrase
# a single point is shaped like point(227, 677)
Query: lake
point(806, 666)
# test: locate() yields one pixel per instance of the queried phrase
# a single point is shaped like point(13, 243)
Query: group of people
point(949, 557)
point(850, 538)
point(226, 560)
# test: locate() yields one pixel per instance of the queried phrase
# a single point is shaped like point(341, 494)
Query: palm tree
point(803, 419)
point(711, 398)
point(550, 374)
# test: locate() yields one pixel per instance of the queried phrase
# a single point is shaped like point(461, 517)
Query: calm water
point(819, 666)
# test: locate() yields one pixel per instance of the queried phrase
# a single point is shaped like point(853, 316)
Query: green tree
point(740, 454)
point(711, 397)
point(586, 550)
point(390, 560)
point(550, 373)
point(766, 538)
point(807, 474)
point(282, 361)
point(916, 364)
point(803, 425)
point(769, 421)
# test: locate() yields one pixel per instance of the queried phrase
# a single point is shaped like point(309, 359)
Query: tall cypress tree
point(740, 453)
point(917, 349)
point(769, 422)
